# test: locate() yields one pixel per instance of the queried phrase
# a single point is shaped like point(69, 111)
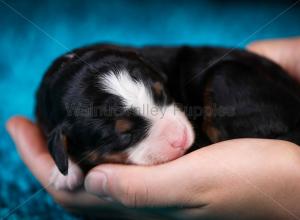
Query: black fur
point(249, 96)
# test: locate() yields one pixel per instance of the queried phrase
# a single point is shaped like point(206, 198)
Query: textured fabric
point(26, 50)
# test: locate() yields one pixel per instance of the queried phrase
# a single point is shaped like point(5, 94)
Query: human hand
point(220, 180)
point(252, 178)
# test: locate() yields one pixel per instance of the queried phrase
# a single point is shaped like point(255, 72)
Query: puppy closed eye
point(123, 125)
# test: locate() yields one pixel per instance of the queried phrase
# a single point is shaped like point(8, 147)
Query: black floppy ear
point(57, 145)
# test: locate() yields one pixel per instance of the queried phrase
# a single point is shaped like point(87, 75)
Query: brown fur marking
point(123, 125)
point(157, 88)
point(207, 126)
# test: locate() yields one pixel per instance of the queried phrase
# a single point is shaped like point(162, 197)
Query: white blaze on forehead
point(134, 94)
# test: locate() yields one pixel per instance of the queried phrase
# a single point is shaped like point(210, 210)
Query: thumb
point(170, 184)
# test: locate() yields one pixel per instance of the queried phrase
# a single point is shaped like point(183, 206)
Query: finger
point(285, 52)
point(31, 146)
point(193, 180)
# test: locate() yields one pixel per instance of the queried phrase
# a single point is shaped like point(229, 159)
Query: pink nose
point(180, 141)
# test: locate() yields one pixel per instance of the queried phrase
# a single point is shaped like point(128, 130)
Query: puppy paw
point(70, 182)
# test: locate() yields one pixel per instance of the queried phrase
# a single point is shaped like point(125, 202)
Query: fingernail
point(96, 182)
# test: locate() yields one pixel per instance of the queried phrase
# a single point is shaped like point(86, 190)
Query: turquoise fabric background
point(35, 32)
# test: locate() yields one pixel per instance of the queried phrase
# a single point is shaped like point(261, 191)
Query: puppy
point(150, 105)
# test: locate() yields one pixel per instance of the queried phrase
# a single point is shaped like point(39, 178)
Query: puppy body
point(241, 94)
point(106, 103)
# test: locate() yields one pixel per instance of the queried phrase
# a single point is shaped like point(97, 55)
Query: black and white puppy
point(106, 103)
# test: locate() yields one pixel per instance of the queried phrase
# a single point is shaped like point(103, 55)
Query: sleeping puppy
point(150, 105)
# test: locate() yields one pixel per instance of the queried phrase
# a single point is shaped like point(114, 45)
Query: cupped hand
point(249, 178)
point(246, 177)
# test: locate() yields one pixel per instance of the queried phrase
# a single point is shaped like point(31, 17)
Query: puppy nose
point(181, 139)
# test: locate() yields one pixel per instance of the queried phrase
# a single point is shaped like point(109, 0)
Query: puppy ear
point(57, 145)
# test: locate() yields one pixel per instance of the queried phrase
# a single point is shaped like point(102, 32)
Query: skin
point(248, 178)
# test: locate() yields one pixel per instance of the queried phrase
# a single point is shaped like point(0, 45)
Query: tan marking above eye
point(123, 125)
point(157, 88)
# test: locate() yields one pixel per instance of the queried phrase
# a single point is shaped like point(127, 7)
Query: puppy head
point(130, 118)
point(166, 133)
